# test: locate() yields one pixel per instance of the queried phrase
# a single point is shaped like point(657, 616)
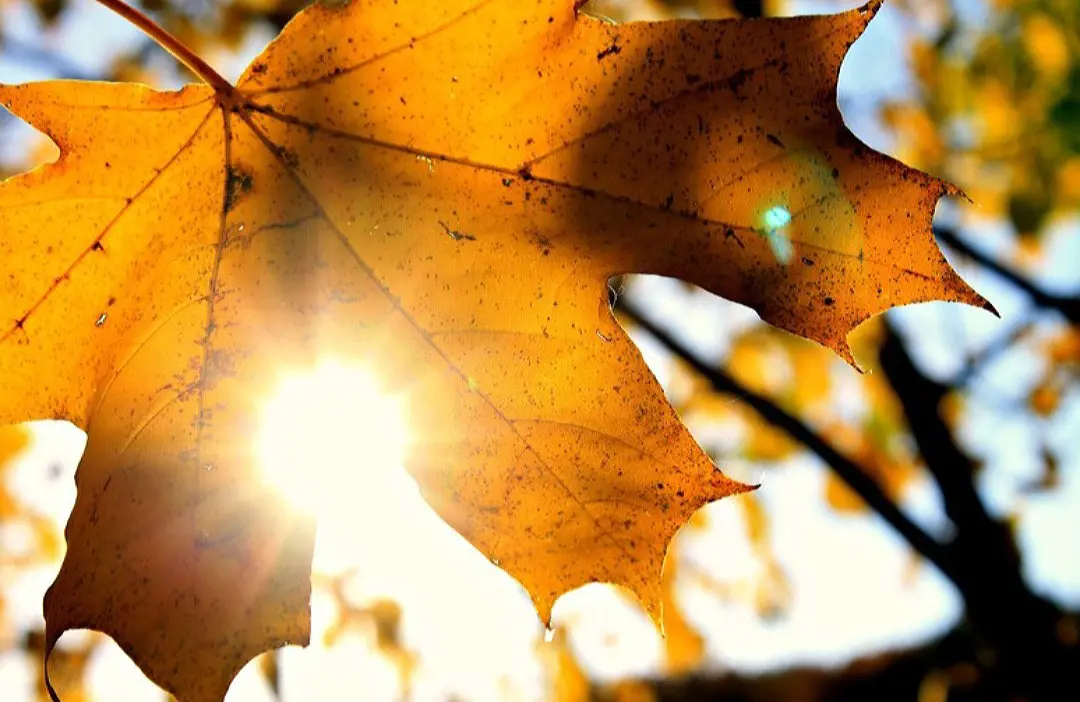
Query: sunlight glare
point(334, 441)
point(330, 434)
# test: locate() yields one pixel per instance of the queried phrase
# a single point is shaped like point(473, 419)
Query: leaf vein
point(331, 76)
point(105, 231)
point(396, 303)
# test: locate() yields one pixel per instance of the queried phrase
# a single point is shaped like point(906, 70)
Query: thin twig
point(1019, 626)
point(991, 352)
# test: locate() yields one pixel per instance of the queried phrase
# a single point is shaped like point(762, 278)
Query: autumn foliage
point(440, 192)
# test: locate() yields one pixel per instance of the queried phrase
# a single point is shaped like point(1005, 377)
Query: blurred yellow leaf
point(811, 368)
point(766, 443)
point(14, 440)
point(756, 360)
point(684, 646)
point(1045, 398)
point(1064, 347)
point(1069, 182)
point(570, 683)
point(1046, 44)
point(873, 451)
point(918, 133)
point(632, 691)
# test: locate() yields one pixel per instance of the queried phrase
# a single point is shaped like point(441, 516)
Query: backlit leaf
point(438, 192)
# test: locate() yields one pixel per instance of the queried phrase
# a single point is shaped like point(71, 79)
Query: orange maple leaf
point(439, 191)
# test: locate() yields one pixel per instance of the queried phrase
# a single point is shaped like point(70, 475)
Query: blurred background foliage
point(962, 446)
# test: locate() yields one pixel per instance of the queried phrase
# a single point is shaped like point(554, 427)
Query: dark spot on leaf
point(455, 234)
point(238, 183)
point(829, 301)
point(808, 261)
point(613, 49)
point(289, 157)
point(773, 139)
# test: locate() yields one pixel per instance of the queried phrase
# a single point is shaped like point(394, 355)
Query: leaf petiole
point(171, 44)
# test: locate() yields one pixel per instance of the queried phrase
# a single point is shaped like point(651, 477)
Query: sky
point(473, 626)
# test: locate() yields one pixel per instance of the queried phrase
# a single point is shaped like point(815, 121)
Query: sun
point(329, 433)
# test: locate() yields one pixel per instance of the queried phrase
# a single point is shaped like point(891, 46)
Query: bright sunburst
point(330, 433)
point(334, 441)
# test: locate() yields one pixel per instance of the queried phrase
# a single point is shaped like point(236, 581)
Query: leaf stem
point(171, 44)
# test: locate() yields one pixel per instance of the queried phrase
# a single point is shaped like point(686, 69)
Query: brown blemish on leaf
point(455, 234)
point(611, 50)
point(237, 184)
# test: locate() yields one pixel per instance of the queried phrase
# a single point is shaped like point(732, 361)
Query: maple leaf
point(440, 192)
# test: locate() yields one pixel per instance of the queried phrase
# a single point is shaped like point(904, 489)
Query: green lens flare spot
point(781, 247)
point(776, 217)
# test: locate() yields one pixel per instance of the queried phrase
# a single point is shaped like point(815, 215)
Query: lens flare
point(776, 220)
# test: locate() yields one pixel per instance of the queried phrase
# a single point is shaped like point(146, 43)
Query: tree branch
point(951, 468)
point(993, 350)
point(890, 676)
point(846, 469)
point(1019, 627)
point(1017, 631)
point(1068, 306)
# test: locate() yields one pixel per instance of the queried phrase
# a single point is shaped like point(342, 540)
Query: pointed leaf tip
point(871, 8)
